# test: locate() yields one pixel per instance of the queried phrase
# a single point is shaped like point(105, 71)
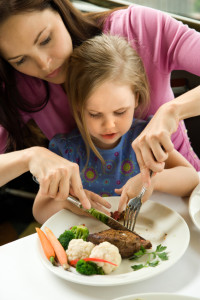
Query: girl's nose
point(109, 123)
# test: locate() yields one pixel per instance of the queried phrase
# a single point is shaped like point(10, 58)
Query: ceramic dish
point(156, 222)
point(194, 206)
point(156, 296)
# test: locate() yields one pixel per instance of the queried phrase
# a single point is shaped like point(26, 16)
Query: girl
point(36, 40)
point(106, 84)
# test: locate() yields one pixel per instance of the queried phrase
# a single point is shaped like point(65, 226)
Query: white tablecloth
point(23, 276)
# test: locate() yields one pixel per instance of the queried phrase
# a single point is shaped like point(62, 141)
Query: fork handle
point(143, 190)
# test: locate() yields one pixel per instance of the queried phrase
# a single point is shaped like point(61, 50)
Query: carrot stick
point(74, 262)
point(58, 248)
point(46, 245)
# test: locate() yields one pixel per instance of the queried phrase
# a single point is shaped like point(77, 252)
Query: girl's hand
point(154, 143)
point(98, 202)
point(56, 175)
point(131, 189)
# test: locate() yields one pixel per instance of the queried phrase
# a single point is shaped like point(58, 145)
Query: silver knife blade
point(93, 212)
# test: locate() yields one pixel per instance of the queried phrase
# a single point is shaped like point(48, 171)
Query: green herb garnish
point(153, 258)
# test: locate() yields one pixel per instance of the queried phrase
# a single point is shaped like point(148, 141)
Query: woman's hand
point(154, 143)
point(131, 189)
point(56, 175)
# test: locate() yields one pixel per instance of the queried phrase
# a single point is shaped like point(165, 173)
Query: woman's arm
point(153, 145)
point(55, 174)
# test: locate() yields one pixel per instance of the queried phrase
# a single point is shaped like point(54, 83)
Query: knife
point(93, 212)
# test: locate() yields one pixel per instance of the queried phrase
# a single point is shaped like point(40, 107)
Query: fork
point(133, 208)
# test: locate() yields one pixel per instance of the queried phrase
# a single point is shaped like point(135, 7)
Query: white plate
point(156, 296)
point(194, 206)
point(156, 222)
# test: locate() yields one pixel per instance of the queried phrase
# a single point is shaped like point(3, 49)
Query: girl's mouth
point(108, 136)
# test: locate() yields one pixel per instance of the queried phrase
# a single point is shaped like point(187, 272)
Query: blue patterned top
point(121, 163)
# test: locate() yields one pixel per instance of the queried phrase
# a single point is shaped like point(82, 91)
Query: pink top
point(164, 45)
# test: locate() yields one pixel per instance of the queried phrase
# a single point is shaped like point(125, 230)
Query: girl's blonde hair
point(96, 61)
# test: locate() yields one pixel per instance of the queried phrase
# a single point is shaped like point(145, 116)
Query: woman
point(36, 40)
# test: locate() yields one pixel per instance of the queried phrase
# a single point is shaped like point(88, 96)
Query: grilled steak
point(127, 242)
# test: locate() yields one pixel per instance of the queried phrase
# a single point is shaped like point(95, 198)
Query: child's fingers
point(99, 200)
point(122, 202)
point(118, 191)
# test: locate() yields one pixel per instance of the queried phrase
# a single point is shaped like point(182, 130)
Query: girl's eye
point(21, 61)
point(120, 112)
point(94, 115)
point(46, 41)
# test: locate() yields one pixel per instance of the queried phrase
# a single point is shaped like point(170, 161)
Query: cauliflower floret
point(79, 249)
point(108, 252)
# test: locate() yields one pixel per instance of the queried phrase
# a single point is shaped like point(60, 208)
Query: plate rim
point(191, 211)
point(160, 294)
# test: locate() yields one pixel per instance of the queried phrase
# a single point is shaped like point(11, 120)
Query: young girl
point(106, 84)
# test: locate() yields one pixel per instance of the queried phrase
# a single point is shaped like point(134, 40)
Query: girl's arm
point(153, 145)
point(178, 178)
point(45, 207)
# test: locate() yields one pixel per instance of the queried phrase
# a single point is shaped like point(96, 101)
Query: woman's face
point(37, 44)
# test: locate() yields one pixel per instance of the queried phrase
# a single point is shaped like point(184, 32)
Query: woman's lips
point(54, 73)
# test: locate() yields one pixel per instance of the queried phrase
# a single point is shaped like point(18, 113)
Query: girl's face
point(37, 44)
point(109, 113)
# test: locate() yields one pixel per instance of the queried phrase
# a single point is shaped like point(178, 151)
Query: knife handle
point(74, 200)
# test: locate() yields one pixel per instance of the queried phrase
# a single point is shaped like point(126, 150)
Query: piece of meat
point(117, 215)
point(127, 242)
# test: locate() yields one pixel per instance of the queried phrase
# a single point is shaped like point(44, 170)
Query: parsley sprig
point(153, 258)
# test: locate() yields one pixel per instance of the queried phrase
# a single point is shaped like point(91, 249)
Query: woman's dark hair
point(80, 26)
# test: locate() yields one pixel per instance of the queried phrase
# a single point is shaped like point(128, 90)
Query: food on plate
point(46, 245)
point(126, 241)
point(153, 258)
point(117, 215)
point(108, 252)
point(65, 238)
point(75, 232)
point(88, 268)
point(79, 249)
point(105, 255)
point(74, 262)
point(80, 232)
point(58, 248)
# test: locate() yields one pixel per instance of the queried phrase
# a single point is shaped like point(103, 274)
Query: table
point(23, 276)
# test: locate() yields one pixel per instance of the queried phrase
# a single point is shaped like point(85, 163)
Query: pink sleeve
point(173, 45)
point(169, 43)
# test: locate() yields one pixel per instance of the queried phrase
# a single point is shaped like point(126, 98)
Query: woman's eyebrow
point(35, 41)
point(39, 34)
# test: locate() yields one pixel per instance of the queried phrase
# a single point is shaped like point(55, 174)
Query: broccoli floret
point(80, 232)
point(65, 238)
point(88, 268)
